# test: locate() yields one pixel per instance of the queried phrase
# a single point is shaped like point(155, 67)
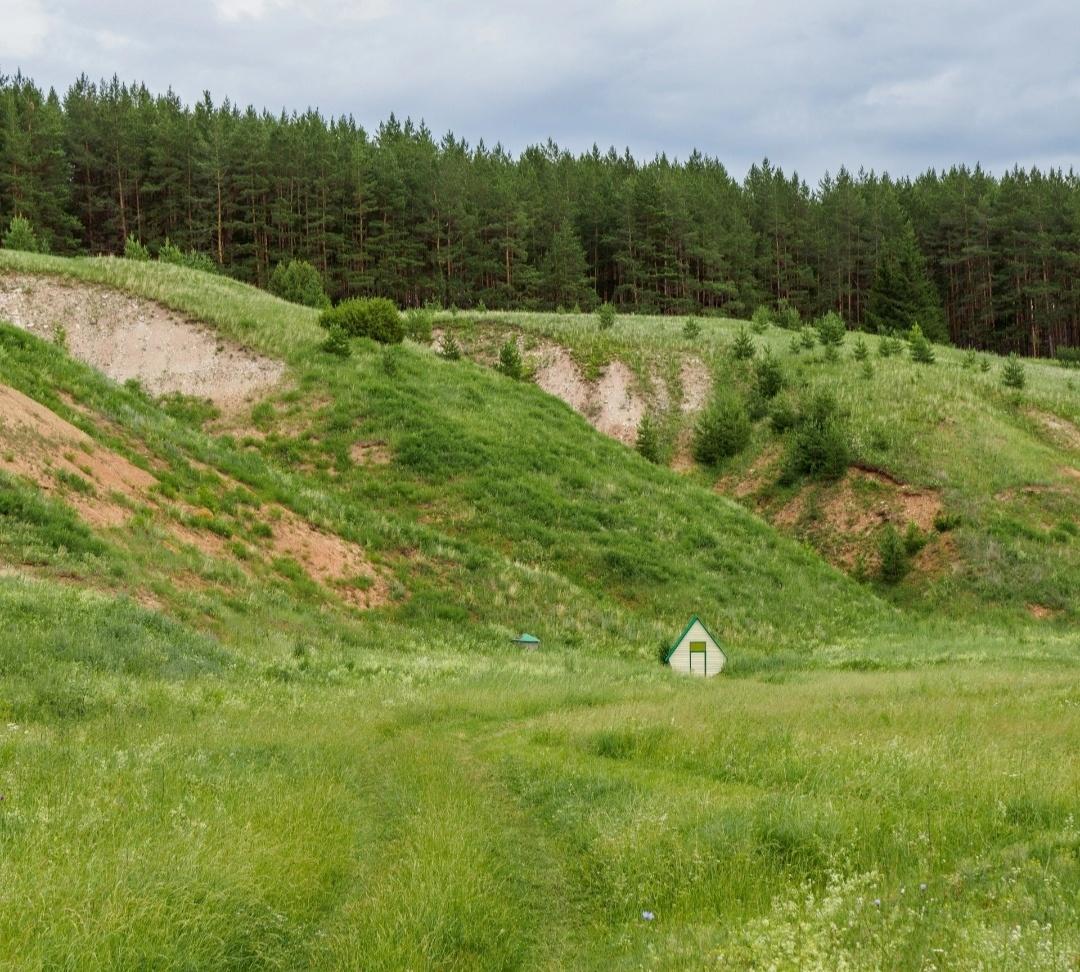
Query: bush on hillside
point(371, 317)
point(649, 442)
point(860, 352)
point(691, 329)
point(1068, 357)
point(819, 443)
point(605, 315)
point(787, 315)
point(419, 324)
point(449, 347)
point(510, 363)
point(1013, 374)
point(784, 413)
point(768, 375)
point(742, 348)
point(337, 342)
point(893, 563)
point(192, 259)
point(890, 346)
point(134, 250)
point(922, 351)
point(21, 236)
point(299, 283)
point(723, 429)
point(762, 317)
point(831, 330)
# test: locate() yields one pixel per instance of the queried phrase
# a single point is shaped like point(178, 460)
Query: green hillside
point(998, 467)
point(261, 709)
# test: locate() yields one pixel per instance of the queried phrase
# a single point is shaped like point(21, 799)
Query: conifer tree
point(902, 293)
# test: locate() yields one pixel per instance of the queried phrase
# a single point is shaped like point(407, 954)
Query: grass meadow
point(210, 761)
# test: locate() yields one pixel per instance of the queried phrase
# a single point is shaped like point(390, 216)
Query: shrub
point(649, 441)
point(299, 283)
point(21, 236)
point(819, 444)
point(807, 338)
point(860, 352)
point(889, 347)
point(867, 370)
point(419, 323)
point(691, 329)
point(984, 365)
point(922, 351)
point(510, 363)
point(787, 316)
point(914, 539)
point(1068, 357)
point(742, 348)
point(449, 347)
point(1012, 373)
point(605, 315)
point(893, 557)
point(134, 250)
point(761, 318)
point(969, 360)
point(371, 317)
point(768, 375)
point(944, 522)
point(193, 259)
point(337, 341)
point(723, 429)
point(784, 414)
point(831, 330)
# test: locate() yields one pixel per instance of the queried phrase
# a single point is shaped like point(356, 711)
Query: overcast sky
point(812, 84)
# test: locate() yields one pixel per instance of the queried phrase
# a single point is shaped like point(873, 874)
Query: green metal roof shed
point(528, 641)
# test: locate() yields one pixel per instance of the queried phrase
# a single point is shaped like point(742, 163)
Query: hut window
point(696, 646)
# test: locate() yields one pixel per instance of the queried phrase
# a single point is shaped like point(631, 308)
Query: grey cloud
point(812, 86)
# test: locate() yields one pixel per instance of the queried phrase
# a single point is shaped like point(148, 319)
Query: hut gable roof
point(678, 641)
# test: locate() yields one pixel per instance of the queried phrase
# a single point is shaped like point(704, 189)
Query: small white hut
point(696, 652)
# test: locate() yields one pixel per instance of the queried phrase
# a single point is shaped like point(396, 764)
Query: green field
point(211, 759)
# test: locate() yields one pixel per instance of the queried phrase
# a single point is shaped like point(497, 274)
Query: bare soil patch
point(1063, 432)
point(39, 445)
point(375, 453)
point(558, 374)
point(331, 560)
point(847, 516)
point(615, 404)
point(696, 383)
point(129, 337)
point(619, 410)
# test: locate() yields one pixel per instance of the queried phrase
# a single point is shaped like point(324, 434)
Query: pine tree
point(921, 349)
point(742, 348)
point(902, 293)
point(1012, 373)
point(648, 443)
point(510, 363)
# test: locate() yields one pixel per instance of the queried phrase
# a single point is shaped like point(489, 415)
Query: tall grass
point(207, 761)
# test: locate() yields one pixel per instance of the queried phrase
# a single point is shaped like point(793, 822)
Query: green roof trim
point(689, 625)
point(526, 639)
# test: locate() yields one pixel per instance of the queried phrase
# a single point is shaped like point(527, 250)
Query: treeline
point(982, 261)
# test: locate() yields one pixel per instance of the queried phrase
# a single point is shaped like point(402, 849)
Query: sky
point(810, 84)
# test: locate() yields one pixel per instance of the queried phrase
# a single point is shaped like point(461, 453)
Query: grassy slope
point(1000, 466)
point(258, 777)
